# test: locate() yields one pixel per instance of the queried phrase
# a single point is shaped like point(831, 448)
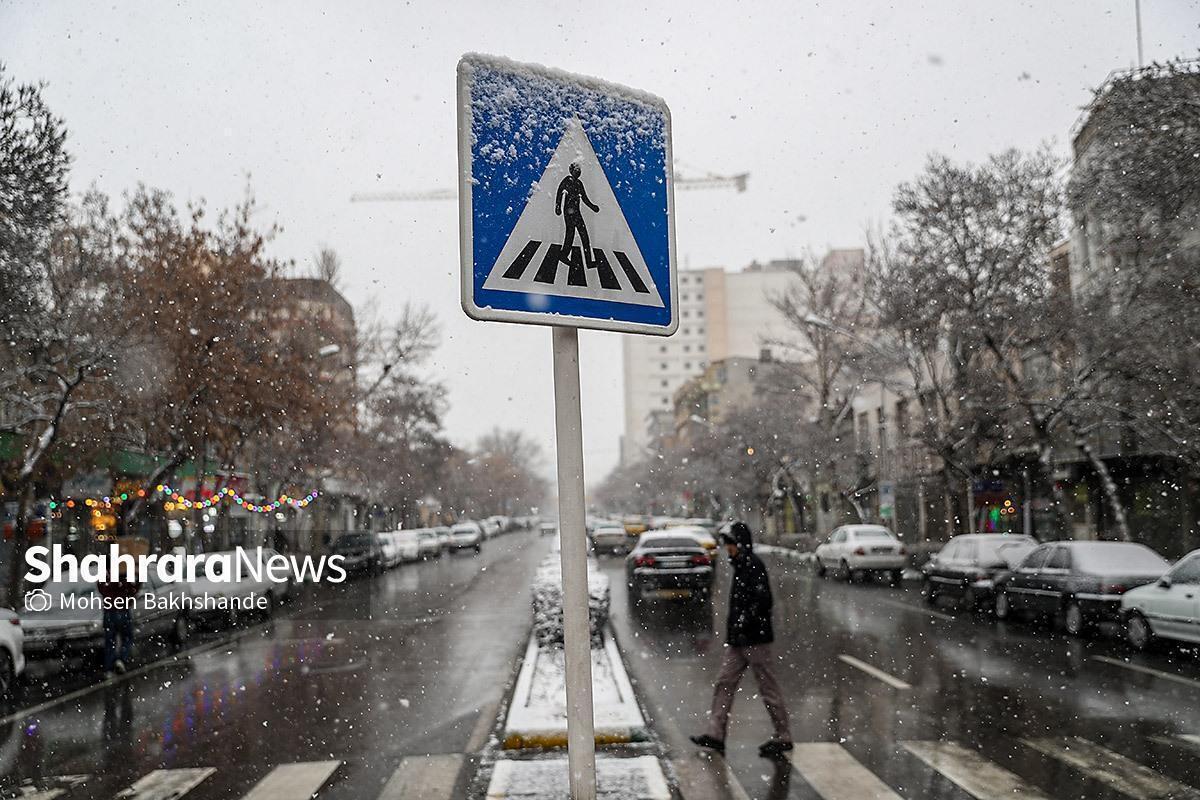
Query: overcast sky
point(826, 105)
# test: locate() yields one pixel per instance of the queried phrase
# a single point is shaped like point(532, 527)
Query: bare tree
point(327, 266)
point(53, 389)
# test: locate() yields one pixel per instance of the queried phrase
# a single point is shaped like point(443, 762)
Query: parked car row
point(1078, 584)
point(69, 619)
point(374, 552)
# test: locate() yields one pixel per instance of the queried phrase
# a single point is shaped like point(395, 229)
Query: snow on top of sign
point(547, 95)
point(532, 70)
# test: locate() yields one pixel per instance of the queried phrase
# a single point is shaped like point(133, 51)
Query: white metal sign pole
point(577, 647)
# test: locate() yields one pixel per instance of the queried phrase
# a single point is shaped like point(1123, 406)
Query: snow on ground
point(537, 716)
point(639, 778)
point(547, 602)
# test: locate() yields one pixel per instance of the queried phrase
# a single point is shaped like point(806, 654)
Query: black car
point(969, 565)
point(669, 565)
point(360, 552)
point(1077, 583)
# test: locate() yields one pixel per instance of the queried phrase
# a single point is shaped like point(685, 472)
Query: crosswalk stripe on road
point(973, 773)
point(292, 781)
point(423, 778)
point(1099, 763)
point(831, 770)
point(1191, 739)
point(166, 784)
point(837, 775)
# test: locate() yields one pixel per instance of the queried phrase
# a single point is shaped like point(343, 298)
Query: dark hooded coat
point(750, 598)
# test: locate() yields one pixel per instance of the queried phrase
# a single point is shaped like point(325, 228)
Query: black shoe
point(774, 749)
point(709, 742)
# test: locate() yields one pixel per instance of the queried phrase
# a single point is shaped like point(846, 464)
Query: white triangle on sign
point(532, 261)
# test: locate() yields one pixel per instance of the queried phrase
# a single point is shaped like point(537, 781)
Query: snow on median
point(537, 716)
point(548, 606)
point(639, 778)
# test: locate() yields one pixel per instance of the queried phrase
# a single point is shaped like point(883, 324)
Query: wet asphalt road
point(992, 688)
point(390, 676)
point(411, 663)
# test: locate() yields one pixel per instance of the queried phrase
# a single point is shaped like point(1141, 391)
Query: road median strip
point(537, 715)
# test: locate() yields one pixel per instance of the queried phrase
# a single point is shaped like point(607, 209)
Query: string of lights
point(174, 499)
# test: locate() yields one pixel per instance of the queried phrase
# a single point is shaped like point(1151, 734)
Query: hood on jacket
point(739, 534)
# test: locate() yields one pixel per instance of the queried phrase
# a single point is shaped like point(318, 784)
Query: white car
point(389, 550)
point(612, 539)
point(854, 550)
point(12, 651)
point(409, 545)
point(443, 534)
point(466, 535)
point(1167, 609)
point(490, 528)
point(428, 545)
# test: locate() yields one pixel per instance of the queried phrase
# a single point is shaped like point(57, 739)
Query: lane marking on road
point(483, 726)
point(918, 609)
point(166, 784)
point(1189, 740)
point(1158, 673)
point(290, 781)
point(874, 672)
point(973, 773)
point(837, 775)
point(1099, 763)
point(424, 778)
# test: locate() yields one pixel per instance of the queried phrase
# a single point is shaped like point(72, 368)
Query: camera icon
point(37, 600)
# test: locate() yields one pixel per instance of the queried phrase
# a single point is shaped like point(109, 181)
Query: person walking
point(747, 646)
point(119, 596)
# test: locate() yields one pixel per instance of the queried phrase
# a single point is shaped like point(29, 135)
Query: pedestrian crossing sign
point(566, 206)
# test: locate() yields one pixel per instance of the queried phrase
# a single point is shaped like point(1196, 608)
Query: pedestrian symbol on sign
point(566, 203)
point(606, 264)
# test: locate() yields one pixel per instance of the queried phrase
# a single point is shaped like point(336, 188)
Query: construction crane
point(710, 181)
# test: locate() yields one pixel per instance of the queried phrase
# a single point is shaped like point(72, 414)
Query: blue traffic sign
point(566, 204)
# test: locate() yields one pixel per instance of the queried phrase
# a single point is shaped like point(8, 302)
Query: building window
point(665, 401)
point(665, 384)
point(687, 365)
point(685, 312)
point(662, 348)
point(683, 296)
point(700, 348)
point(686, 331)
point(687, 348)
point(664, 366)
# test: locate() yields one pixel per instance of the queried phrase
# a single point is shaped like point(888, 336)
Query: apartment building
point(721, 315)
